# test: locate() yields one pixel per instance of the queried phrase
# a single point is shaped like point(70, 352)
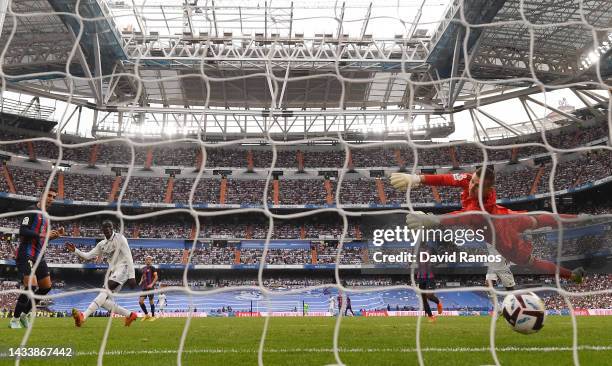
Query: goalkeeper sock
point(111, 306)
point(97, 303)
point(152, 309)
point(144, 308)
point(550, 268)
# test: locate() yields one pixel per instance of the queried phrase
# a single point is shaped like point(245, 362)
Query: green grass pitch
point(308, 341)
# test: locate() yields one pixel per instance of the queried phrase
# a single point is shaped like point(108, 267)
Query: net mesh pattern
point(587, 25)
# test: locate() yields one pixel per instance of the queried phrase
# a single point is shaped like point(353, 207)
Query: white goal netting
point(363, 89)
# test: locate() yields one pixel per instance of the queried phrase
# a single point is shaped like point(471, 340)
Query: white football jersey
point(116, 250)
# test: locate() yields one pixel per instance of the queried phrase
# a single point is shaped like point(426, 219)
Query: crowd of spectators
point(511, 183)
point(361, 191)
point(186, 153)
point(302, 192)
point(320, 226)
point(213, 255)
point(30, 182)
point(207, 191)
point(83, 187)
point(159, 255)
point(584, 245)
point(8, 299)
point(247, 192)
point(587, 168)
point(209, 254)
point(327, 252)
point(6, 247)
point(582, 169)
point(276, 256)
point(593, 282)
point(515, 183)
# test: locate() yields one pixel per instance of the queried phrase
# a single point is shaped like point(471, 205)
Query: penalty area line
point(347, 350)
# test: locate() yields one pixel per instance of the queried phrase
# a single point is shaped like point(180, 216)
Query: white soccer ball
point(525, 312)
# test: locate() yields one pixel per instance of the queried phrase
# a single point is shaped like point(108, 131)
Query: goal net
point(228, 137)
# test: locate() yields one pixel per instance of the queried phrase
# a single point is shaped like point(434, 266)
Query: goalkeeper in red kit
point(508, 229)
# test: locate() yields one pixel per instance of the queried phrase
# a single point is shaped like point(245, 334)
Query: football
point(524, 312)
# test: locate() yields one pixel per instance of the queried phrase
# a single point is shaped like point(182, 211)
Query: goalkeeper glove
point(420, 219)
point(402, 181)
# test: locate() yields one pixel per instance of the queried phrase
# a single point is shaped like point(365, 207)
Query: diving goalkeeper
point(508, 239)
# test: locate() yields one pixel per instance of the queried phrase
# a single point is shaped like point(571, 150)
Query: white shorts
point(504, 276)
point(121, 274)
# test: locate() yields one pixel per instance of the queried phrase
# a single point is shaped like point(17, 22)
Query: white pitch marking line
point(350, 350)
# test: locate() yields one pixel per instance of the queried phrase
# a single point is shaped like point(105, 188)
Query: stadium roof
point(283, 18)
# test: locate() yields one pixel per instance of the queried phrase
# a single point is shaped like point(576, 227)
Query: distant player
point(349, 307)
point(32, 233)
point(148, 279)
point(161, 303)
point(507, 230)
point(332, 306)
point(120, 269)
point(425, 279)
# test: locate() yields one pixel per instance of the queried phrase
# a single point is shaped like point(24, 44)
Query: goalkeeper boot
point(578, 275)
point(15, 323)
point(130, 319)
point(440, 309)
point(24, 319)
point(79, 319)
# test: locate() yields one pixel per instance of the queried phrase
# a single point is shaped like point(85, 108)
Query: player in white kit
point(161, 303)
point(332, 305)
point(121, 270)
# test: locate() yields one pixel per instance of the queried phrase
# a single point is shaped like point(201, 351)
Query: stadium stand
point(186, 154)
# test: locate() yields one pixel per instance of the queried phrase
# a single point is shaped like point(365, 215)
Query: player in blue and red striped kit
point(147, 282)
point(425, 279)
point(32, 233)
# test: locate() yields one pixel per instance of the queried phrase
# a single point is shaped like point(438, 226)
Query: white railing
point(31, 109)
